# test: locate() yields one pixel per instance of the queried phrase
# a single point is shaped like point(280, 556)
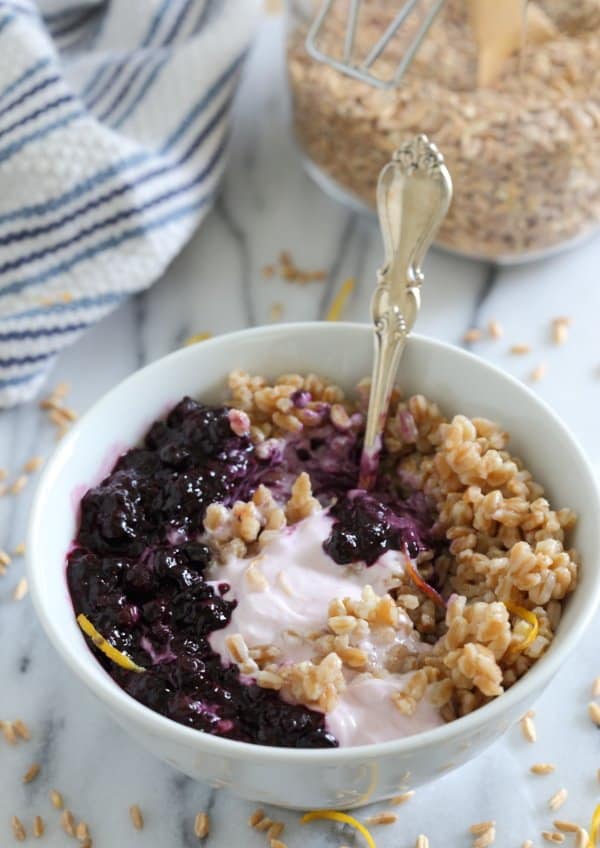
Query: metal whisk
point(361, 69)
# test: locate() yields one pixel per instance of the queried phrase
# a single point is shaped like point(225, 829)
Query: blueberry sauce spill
point(137, 569)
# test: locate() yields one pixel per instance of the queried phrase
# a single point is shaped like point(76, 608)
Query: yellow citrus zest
point(334, 815)
point(107, 649)
point(594, 827)
point(528, 616)
point(339, 301)
point(198, 337)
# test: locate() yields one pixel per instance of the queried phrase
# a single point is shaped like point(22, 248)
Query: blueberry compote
point(138, 566)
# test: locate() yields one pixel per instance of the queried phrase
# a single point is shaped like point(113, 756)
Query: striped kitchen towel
point(113, 137)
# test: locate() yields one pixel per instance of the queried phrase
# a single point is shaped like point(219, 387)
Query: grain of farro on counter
point(233, 578)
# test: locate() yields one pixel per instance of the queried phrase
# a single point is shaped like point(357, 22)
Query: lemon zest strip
point(339, 301)
point(528, 616)
point(594, 827)
point(334, 815)
point(107, 649)
point(197, 337)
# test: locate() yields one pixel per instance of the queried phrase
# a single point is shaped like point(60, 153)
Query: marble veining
point(216, 285)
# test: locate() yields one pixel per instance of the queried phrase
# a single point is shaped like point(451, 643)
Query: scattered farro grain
point(202, 825)
point(33, 464)
point(382, 818)
point(495, 329)
point(67, 822)
point(567, 826)
point(481, 827)
point(18, 829)
point(560, 330)
point(594, 712)
point(21, 729)
point(596, 688)
point(422, 841)
point(542, 768)
point(56, 799)
point(558, 799)
point(31, 773)
point(486, 838)
point(277, 843)
point(553, 836)
point(527, 844)
point(136, 817)
point(21, 589)
point(4, 558)
point(520, 349)
point(9, 732)
point(276, 312)
point(275, 831)
point(472, 335)
point(38, 827)
point(528, 728)
point(256, 817)
point(19, 484)
point(401, 799)
point(19, 550)
point(264, 824)
point(538, 373)
point(82, 831)
point(87, 843)
point(582, 839)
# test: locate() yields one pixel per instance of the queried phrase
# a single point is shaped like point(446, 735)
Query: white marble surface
point(216, 285)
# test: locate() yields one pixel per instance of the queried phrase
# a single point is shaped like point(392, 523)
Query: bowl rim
point(119, 702)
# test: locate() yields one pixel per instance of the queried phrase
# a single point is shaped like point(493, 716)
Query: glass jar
point(523, 147)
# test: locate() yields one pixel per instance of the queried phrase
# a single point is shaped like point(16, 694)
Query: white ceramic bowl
point(460, 382)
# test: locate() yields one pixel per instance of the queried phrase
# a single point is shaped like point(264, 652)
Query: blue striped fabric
point(110, 157)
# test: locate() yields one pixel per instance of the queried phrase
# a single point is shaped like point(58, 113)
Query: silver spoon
point(413, 195)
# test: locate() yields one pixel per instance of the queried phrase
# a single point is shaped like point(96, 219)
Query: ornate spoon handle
point(413, 196)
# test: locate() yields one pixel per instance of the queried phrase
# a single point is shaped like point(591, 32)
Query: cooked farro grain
point(528, 728)
point(33, 464)
point(277, 843)
point(21, 589)
point(558, 799)
point(582, 839)
point(19, 550)
point(82, 831)
point(56, 799)
point(264, 824)
point(520, 349)
point(4, 558)
point(21, 729)
point(137, 819)
point(275, 831)
point(472, 335)
point(19, 484)
point(38, 826)
point(403, 798)
point(596, 688)
point(527, 844)
point(67, 822)
point(202, 825)
point(256, 817)
point(553, 836)
point(87, 843)
point(538, 373)
point(495, 329)
point(486, 838)
point(31, 773)
point(382, 818)
point(542, 768)
point(481, 827)
point(19, 831)
point(422, 841)
point(594, 712)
